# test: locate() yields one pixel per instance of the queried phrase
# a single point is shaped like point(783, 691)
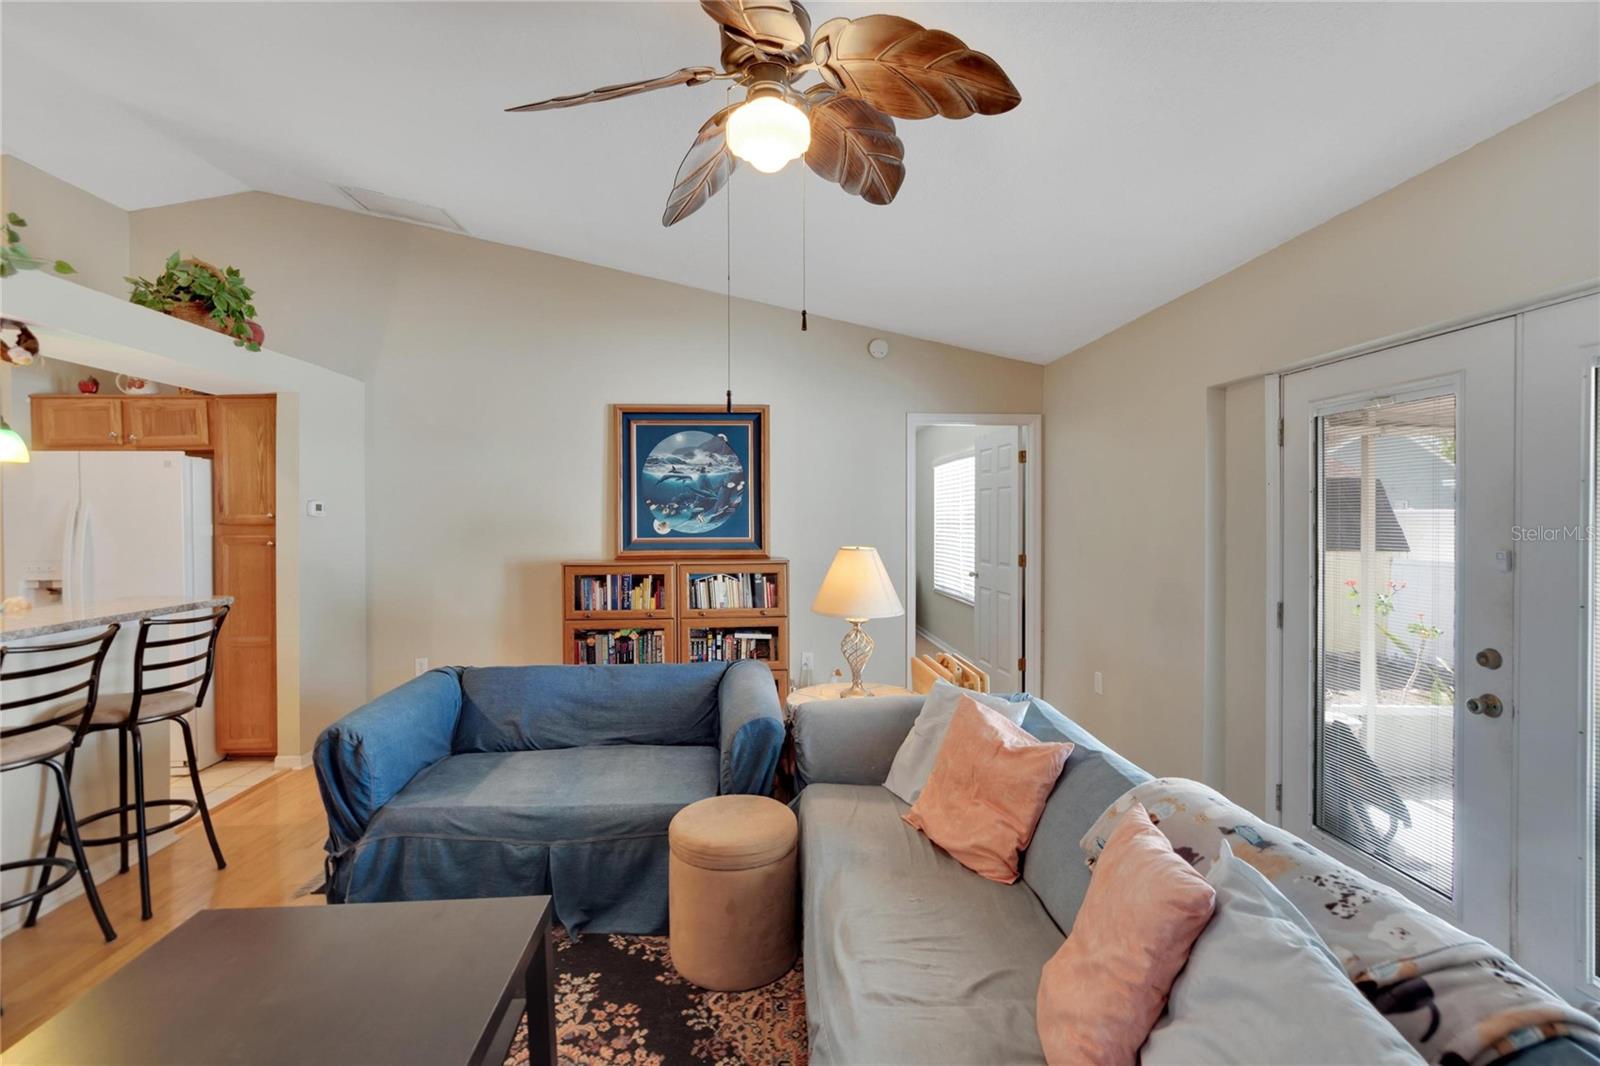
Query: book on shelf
point(620, 647)
point(723, 646)
point(724, 592)
point(619, 592)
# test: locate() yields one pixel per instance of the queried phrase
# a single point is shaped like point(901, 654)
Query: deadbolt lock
point(1489, 659)
point(1488, 705)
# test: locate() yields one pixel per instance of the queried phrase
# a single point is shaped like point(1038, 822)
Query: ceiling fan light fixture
point(768, 131)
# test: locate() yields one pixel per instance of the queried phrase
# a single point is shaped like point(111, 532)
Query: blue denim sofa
point(527, 780)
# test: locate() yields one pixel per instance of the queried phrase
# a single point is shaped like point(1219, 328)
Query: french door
point(1398, 618)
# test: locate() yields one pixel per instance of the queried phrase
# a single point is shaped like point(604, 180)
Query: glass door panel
point(1386, 633)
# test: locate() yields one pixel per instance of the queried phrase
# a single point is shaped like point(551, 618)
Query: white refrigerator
point(84, 527)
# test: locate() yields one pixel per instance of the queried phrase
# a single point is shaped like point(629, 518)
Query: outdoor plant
point(15, 257)
point(1421, 629)
point(224, 295)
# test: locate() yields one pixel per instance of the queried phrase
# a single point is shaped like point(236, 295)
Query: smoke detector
point(385, 206)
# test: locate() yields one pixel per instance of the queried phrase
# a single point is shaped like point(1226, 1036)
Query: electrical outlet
point(422, 665)
point(1099, 684)
point(316, 508)
point(808, 660)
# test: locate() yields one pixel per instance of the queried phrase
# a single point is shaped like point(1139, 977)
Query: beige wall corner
point(1509, 220)
point(64, 222)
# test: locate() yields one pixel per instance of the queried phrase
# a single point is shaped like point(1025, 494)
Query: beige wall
point(947, 619)
point(1508, 220)
point(64, 222)
point(490, 369)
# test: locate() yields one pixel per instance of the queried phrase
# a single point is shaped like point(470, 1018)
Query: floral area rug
point(620, 1002)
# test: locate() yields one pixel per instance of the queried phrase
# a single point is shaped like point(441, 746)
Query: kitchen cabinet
point(244, 466)
point(247, 671)
point(246, 458)
point(76, 423)
point(177, 423)
point(94, 423)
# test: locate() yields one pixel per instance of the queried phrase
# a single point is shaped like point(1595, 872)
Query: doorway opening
point(973, 567)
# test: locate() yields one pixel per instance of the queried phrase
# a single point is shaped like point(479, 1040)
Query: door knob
point(1488, 705)
point(1489, 659)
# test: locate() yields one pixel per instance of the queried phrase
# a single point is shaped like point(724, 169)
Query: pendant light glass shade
point(12, 447)
point(767, 132)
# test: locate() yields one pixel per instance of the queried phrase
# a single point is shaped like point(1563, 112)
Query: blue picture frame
point(691, 480)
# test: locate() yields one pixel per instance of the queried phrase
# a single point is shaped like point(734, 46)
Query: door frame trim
point(1030, 427)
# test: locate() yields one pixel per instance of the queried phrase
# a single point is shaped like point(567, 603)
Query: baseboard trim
point(292, 762)
point(937, 643)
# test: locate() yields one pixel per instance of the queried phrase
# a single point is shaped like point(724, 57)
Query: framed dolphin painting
point(691, 479)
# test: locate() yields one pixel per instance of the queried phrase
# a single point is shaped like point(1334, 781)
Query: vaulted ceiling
point(1157, 145)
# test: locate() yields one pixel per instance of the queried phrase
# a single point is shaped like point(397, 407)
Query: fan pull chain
point(728, 261)
point(802, 246)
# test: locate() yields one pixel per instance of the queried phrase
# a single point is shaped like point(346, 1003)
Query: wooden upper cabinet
point(168, 424)
point(244, 430)
point(76, 422)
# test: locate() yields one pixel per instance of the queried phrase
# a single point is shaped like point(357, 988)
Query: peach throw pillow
point(1104, 990)
point(988, 787)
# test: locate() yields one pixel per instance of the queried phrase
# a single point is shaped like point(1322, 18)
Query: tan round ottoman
point(731, 891)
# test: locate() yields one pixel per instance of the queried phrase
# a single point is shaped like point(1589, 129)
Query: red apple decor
point(89, 386)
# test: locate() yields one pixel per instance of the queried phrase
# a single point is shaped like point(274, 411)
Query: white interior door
point(997, 586)
point(1398, 583)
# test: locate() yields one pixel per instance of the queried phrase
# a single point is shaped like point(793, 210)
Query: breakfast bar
point(27, 804)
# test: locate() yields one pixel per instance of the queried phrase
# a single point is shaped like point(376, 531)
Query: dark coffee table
point(429, 982)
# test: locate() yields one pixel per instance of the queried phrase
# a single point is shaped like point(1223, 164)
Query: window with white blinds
point(954, 538)
point(1387, 577)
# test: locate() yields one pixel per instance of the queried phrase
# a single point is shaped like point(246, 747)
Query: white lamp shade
point(857, 586)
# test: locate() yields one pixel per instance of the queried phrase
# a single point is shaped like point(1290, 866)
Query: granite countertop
point(66, 617)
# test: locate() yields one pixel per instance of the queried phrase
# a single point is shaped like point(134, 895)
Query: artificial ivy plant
point(223, 294)
point(14, 257)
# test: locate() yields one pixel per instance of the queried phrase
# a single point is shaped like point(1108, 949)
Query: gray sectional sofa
point(527, 780)
point(910, 957)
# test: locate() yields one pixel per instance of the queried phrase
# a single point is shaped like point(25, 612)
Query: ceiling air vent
point(386, 206)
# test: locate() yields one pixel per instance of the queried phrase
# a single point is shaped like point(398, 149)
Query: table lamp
point(857, 588)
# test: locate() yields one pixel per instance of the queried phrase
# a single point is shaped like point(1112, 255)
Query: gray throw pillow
point(913, 763)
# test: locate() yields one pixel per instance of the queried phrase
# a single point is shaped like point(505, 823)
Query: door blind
point(954, 539)
point(1386, 634)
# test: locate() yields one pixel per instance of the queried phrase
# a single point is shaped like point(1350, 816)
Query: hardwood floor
point(272, 838)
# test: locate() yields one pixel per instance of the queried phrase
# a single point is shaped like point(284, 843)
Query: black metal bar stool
point(51, 741)
point(148, 704)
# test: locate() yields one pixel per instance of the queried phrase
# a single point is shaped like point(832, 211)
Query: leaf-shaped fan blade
point(706, 168)
point(773, 26)
point(685, 76)
point(855, 146)
point(907, 71)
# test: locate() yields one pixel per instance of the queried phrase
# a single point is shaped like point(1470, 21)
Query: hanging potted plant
point(201, 294)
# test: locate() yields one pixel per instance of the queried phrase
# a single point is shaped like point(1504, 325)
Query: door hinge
point(1280, 614)
point(1278, 799)
point(1280, 432)
point(1022, 455)
point(1022, 560)
point(1022, 664)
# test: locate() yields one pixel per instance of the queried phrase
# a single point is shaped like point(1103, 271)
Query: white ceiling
point(1157, 145)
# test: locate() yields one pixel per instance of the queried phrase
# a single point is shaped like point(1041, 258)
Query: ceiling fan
point(871, 68)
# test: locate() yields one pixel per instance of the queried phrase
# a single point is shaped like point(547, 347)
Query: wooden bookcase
point(691, 599)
